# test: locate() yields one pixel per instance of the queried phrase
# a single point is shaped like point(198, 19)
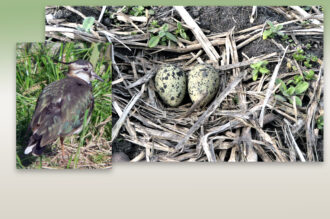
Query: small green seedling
point(272, 31)
point(87, 24)
point(137, 11)
point(292, 92)
point(320, 122)
point(296, 79)
point(307, 64)
point(299, 55)
point(259, 67)
point(285, 37)
point(151, 12)
point(154, 23)
point(180, 31)
point(163, 36)
point(309, 75)
point(314, 58)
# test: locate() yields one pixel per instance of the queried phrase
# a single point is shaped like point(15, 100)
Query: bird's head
point(84, 70)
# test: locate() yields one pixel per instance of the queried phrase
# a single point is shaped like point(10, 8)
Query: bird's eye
point(85, 69)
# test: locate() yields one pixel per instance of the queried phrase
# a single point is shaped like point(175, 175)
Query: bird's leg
point(62, 145)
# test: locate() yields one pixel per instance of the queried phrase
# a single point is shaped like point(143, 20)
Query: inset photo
point(63, 105)
point(209, 83)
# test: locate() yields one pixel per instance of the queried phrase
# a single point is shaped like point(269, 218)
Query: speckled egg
point(171, 84)
point(203, 82)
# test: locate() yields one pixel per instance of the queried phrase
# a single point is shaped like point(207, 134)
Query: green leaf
point(314, 58)
point(289, 82)
point(280, 98)
point(298, 101)
point(88, 23)
point(179, 25)
point(153, 41)
point(161, 33)
point(279, 27)
point(285, 93)
point(266, 34)
point(301, 87)
point(291, 90)
point(297, 79)
point(309, 75)
point(171, 37)
point(278, 81)
point(254, 75)
point(307, 64)
point(165, 27)
point(140, 8)
point(264, 70)
point(300, 51)
point(254, 66)
point(320, 122)
point(151, 12)
point(299, 57)
point(155, 23)
point(270, 23)
point(283, 87)
point(184, 35)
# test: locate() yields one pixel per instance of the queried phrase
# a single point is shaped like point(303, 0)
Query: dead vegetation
point(246, 121)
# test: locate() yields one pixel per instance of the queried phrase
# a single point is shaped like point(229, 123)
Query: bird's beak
point(95, 76)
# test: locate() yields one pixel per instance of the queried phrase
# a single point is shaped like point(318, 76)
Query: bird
point(61, 107)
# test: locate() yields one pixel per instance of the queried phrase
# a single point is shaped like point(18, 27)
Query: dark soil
point(120, 147)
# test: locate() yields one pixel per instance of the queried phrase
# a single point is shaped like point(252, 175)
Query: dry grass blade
point(270, 89)
point(120, 122)
point(202, 39)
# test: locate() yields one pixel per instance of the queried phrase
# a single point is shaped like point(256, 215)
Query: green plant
point(309, 75)
point(137, 11)
point(259, 67)
point(272, 31)
point(154, 23)
point(307, 64)
point(151, 12)
point(180, 31)
point(296, 79)
point(163, 36)
point(313, 58)
point(299, 55)
point(292, 92)
point(87, 24)
point(320, 122)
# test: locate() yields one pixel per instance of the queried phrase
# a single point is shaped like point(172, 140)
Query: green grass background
point(148, 191)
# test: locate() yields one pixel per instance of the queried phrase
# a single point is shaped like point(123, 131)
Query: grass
point(36, 67)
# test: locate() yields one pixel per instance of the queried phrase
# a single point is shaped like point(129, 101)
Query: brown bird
point(61, 107)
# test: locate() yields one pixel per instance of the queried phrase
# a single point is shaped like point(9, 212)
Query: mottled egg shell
point(203, 82)
point(171, 84)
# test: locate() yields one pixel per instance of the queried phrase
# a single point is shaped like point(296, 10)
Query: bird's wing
point(74, 106)
point(60, 110)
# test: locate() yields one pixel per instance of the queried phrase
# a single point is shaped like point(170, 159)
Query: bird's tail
point(34, 145)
